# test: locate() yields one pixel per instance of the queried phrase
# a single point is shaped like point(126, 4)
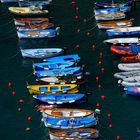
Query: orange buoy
point(101, 53)
point(88, 33)
point(77, 46)
point(73, 2)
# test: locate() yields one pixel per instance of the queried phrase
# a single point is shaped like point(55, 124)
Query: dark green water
point(124, 109)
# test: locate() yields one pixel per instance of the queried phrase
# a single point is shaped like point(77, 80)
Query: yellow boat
point(26, 11)
point(52, 89)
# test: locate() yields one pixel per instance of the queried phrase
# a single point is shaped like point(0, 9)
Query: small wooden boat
point(47, 33)
point(60, 99)
point(130, 81)
point(126, 50)
point(110, 16)
point(41, 53)
point(113, 4)
point(28, 11)
point(124, 31)
point(122, 75)
point(30, 21)
point(114, 24)
point(71, 71)
point(131, 59)
point(41, 107)
point(73, 58)
point(132, 40)
point(73, 134)
point(52, 65)
point(52, 89)
point(62, 80)
point(67, 113)
point(111, 10)
point(69, 123)
point(129, 66)
point(40, 26)
point(132, 90)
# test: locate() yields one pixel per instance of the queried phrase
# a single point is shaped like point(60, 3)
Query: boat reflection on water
point(36, 43)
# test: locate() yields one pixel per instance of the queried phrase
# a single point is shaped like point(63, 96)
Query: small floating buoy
point(19, 109)
point(13, 93)
point(29, 118)
point(118, 137)
point(102, 70)
point(97, 78)
point(27, 129)
point(9, 84)
point(77, 9)
point(102, 97)
point(76, 17)
point(21, 101)
point(85, 20)
point(98, 105)
point(88, 33)
point(100, 62)
point(99, 86)
point(110, 125)
point(109, 115)
point(73, 2)
point(93, 46)
point(101, 53)
point(77, 46)
point(78, 30)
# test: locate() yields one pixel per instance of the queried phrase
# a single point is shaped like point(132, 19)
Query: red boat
point(131, 59)
point(122, 50)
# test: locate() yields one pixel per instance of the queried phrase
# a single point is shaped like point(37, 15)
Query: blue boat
point(73, 58)
point(132, 90)
point(47, 33)
point(33, 3)
point(112, 4)
point(110, 10)
point(127, 31)
point(69, 123)
point(52, 65)
point(60, 99)
point(73, 71)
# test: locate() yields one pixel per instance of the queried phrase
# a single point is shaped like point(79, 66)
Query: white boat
point(67, 113)
point(41, 53)
point(124, 31)
point(114, 24)
point(110, 16)
point(129, 66)
point(123, 75)
point(123, 40)
point(130, 81)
